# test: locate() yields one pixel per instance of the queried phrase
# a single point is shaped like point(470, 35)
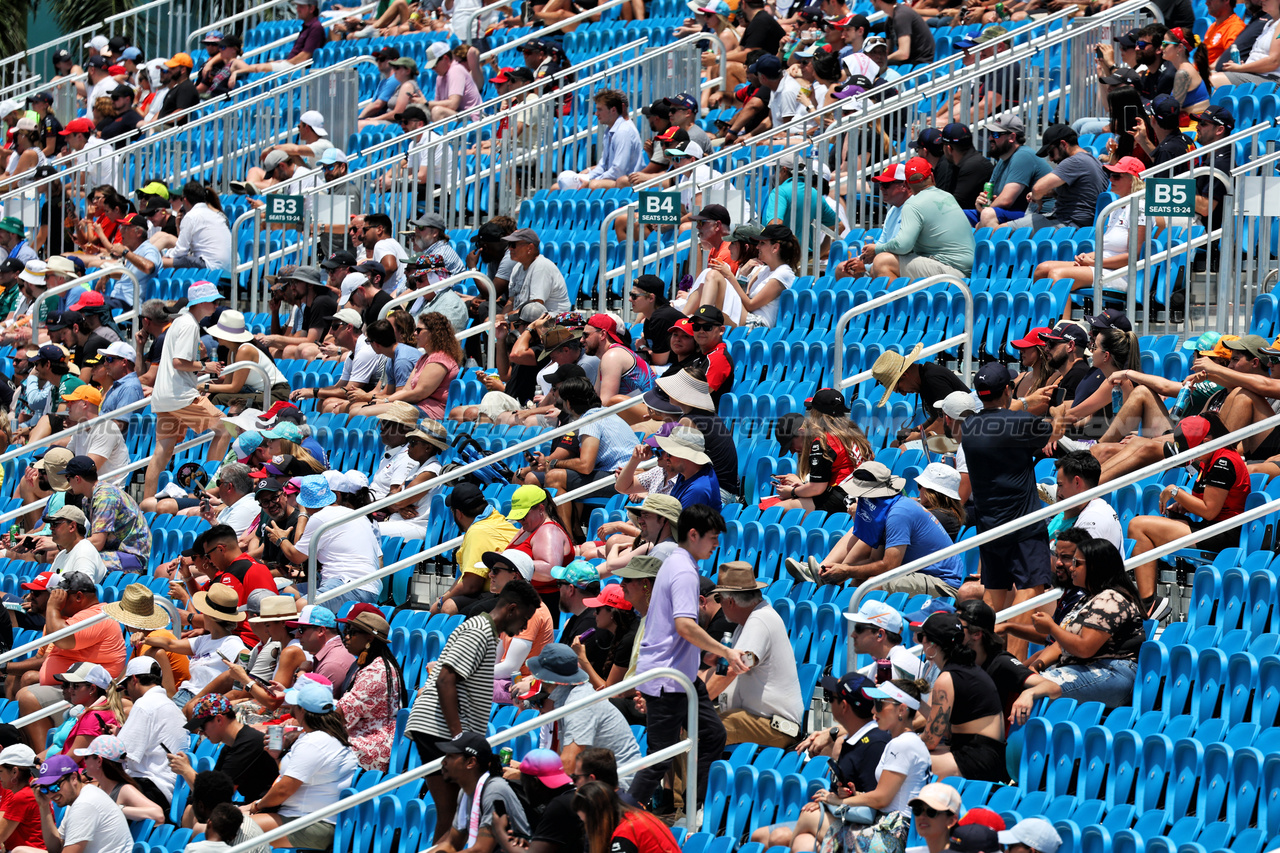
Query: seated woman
point(1115, 239)
point(1033, 359)
point(1010, 675)
point(617, 623)
point(104, 764)
point(428, 385)
point(1262, 64)
point(377, 694)
point(84, 684)
point(244, 385)
point(965, 722)
point(611, 824)
point(409, 93)
point(314, 770)
point(836, 448)
point(1186, 52)
point(938, 486)
point(1221, 489)
point(1091, 414)
point(20, 815)
point(1094, 656)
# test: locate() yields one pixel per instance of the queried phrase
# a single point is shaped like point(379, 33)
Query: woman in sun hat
point(104, 760)
point(209, 653)
point(243, 385)
point(377, 693)
point(836, 448)
point(277, 657)
point(939, 486)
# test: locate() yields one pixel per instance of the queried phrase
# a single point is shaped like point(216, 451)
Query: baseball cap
point(523, 235)
point(339, 259)
point(991, 380)
point(1111, 318)
point(1008, 124)
point(180, 60)
point(1035, 832)
point(713, 213)
point(957, 132)
point(1218, 114)
point(973, 838)
point(828, 401)
point(852, 687)
point(309, 694)
point(523, 500)
point(917, 618)
point(1067, 331)
point(580, 573)
point(77, 125)
point(1164, 108)
point(939, 796)
point(709, 314)
point(55, 768)
point(469, 744)
point(983, 817)
point(877, 614)
point(768, 65)
point(1254, 345)
point(39, 583)
point(18, 755)
point(917, 169)
point(1129, 39)
point(896, 172)
point(1033, 338)
point(84, 393)
point(1054, 134)
point(85, 672)
point(545, 766)
point(315, 615)
point(466, 498)
point(1126, 166)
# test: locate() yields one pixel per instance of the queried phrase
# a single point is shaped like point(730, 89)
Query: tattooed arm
point(937, 728)
point(1181, 85)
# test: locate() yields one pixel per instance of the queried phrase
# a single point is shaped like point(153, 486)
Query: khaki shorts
point(743, 727)
point(199, 416)
point(919, 266)
point(317, 836)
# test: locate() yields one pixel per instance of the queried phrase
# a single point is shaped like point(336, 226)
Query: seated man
point(890, 531)
point(622, 151)
point(118, 530)
point(103, 444)
point(763, 704)
point(934, 237)
point(76, 554)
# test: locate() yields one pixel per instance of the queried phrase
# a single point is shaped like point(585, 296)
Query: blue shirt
point(23, 252)
point(387, 90)
point(702, 488)
point(622, 152)
point(402, 364)
point(778, 205)
point(912, 525)
point(891, 222)
point(617, 440)
point(122, 287)
point(121, 393)
point(313, 447)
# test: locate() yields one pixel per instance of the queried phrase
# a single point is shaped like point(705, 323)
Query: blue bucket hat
point(202, 291)
point(315, 492)
point(310, 696)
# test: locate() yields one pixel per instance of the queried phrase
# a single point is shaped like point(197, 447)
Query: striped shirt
point(470, 652)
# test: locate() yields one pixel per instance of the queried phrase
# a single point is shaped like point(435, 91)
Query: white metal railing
point(86, 279)
point(964, 340)
point(447, 284)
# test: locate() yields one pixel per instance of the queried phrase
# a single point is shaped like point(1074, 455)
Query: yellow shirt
point(493, 533)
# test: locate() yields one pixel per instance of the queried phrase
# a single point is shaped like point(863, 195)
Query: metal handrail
point(964, 340)
point(603, 694)
point(446, 284)
point(56, 708)
point(90, 30)
point(436, 482)
point(550, 28)
point(262, 371)
point(1049, 511)
point(76, 282)
point(50, 440)
point(1033, 603)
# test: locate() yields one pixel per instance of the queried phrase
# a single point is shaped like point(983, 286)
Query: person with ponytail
point(377, 693)
point(1187, 53)
point(1113, 350)
point(612, 826)
point(204, 238)
point(964, 728)
point(903, 769)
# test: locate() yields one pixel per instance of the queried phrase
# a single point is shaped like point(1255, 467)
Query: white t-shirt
point(906, 754)
point(395, 282)
point(103, 440)
point(772, 686)
point(324, 767)
point(784, 103)
point(768, 313)
point(83, 558)
point(1262, 47)
point(390, 471)
point(97, 822)
point(423, 504)
point(99, 157)
point(154, 727)
point(240, 515)
point(542, 282)
point(349, 551)
point(102, 89)
point(206, 663)
point(363, 365)
point(176, 389)
point(1115, 239)
point(441, 157)
point(1100, 521)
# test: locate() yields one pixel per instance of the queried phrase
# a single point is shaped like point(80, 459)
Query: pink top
point(370, 711)
point(458, 81)
point(433, 406)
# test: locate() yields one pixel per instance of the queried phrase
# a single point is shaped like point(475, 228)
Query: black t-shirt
point(1089, 428)
point(122, 126)
point(1010, 676)
point(970, 174)
point(907, 22)
point(1006, 445)
point(936, 382)
point(1092, 381)
point(1071, 380)
point(949, 520)
point(374, 307)
point(1213, 188)
point(858, 760)
point(762, 32)
point(157, 347)
point(247, 763)
point(720, 447)
point(559, 825)
point(90, 348)
point(319, 314)
point(1171, 147)
point(1177, 13)
point(1158, 81)
point(50, 126)
point(272, 556)
point(657, 329)
point(180, 97)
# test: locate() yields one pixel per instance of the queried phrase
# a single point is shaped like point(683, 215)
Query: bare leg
point(1142, 409)
point(885, 264)
point(1270, 468)
point(1136, 453)
point(1148, 532)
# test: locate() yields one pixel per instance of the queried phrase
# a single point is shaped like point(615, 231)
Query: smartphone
point(275, 737)
point(1097, 51)
point(265, 683)
point(1059, 396)
point(1129, 116)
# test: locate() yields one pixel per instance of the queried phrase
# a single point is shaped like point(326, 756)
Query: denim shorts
point(1108, 681)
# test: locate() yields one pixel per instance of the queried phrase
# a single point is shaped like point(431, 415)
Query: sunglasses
point(703, 327)
point(50, 789)
point(921, 810)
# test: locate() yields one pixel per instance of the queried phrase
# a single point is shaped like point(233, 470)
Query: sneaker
point(1048, 492)
point(239, 188)
point(1159, 607)
point(815, 571)
point(796, 569)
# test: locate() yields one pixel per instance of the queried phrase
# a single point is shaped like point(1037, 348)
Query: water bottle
point(722, 665)
point(1117, 400)
point(1183, 400)
point(1235, 54)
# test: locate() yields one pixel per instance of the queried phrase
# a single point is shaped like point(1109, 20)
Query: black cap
point(412, 114)
point(1054, 134)
point(79, 466)
point(706, 586)
point(271, 484)
point(1112, 318)
point(930, 139)
point(993, 377)
point(47, 97)
point(787, 427)
point(1218, 114)
point(122, 91)
point(973, 838)
point(710, 314)
point(490, 232)
point(372, 268)
point(1067, 331)
point(12, 265)
point(469, 744)
point(1129, 39)
point(944, 627)
point(566, 372)
point(1122, 76)
point(775, 232)
point(62, 56)
point(828, 401)
point(652, 284)
point(713, 213)
point(55, 322)
point(467, 499)
point(660, 108)
point(98, 61)
point(852, 687)
point(386, 54)
point(338, 259)
point(957, 132)
point(117, 44)
point(977, 613)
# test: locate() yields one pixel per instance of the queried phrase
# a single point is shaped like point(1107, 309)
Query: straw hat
point(889, 368)
point(737, 576)
point(686, 443)
point(230, 327)
point(276, 608)
point(683, 388)
point(400, 412)
point(137, 609)
point(220, 602)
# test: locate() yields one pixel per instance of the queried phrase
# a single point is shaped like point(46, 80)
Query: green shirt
point(934, 226)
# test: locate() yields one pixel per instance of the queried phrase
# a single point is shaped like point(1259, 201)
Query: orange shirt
point(722, 254)
point(1220, 36)
point(539, 632)
point(102, 644)
point(180, 664)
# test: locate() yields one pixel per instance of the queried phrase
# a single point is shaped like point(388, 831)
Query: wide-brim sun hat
point(684, 389)
point(890, 367)
point(137, 609)
point(230, 327)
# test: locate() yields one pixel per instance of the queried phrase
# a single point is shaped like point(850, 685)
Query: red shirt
point(244, 576)
point(20, 806)
point(641, 832)
point(719, 366)
point(1226, 469)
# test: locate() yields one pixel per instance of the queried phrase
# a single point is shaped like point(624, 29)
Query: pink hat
point(546, 767)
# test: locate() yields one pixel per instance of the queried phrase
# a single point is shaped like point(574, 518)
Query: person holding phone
point(155, 727)
point(469, 763)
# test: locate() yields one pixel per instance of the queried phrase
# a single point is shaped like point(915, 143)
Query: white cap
point(940, 478)
point(141, 665)
point(877, 614)
point(435, 51)
point(33, 272)
point(522, 561)
point(349, 285)
point(1035, 832)
point(119, 349)
point(25, 123)
point(86, 673)
point(98, 43)
point(18, 755)
point(958, 405)
point(314, 120)
point(8, 106)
